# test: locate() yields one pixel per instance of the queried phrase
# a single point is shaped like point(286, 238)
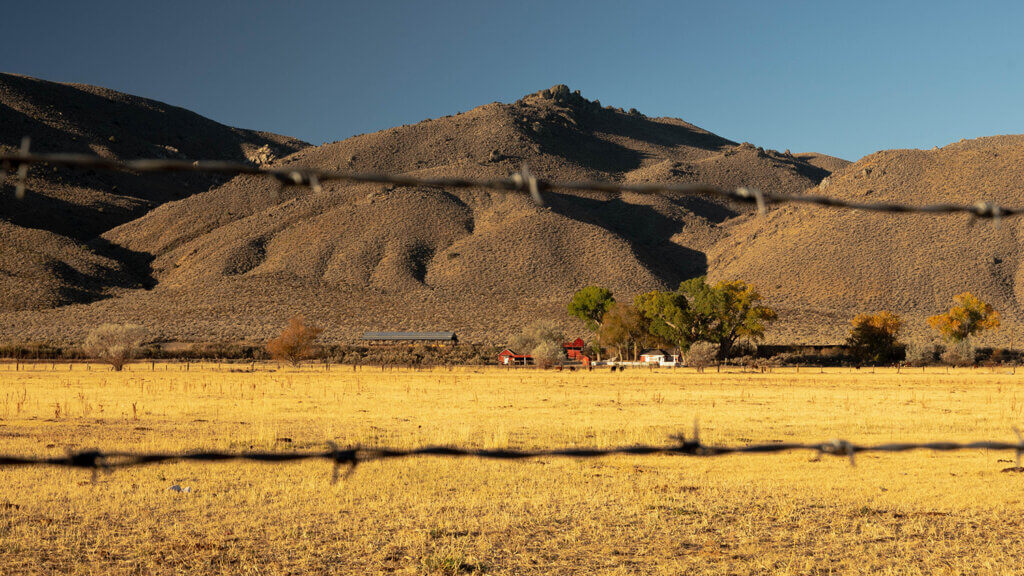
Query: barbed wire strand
point(96, 460)
point(522, 182)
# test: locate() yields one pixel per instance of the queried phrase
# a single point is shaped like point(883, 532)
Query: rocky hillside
point(821, 267)
point(235, 261)
point(51, 252)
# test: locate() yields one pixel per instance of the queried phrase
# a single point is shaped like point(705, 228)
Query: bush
point(702, 354)
point(959, 354)
point(295, 342)
point(547, 354)
point(114, 344)
point(535, 334)
point(921, 353)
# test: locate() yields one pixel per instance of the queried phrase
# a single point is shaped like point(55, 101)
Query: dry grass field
point(914, 513)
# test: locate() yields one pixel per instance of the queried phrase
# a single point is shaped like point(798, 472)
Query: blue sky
point(844, 79)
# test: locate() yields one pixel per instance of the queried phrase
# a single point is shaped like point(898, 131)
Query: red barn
point(574, 349)
point(509, 357)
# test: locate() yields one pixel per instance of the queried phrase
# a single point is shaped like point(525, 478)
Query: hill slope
point(235, 261)
point(50, 251)
point(822, 267)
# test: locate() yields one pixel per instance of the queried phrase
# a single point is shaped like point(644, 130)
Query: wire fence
point(524, 182)
point(97, 461)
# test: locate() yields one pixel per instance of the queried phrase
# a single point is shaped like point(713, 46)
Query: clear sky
point(841, 78)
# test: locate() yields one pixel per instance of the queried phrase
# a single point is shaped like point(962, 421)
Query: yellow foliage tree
point(968, 316)
point(874, 337)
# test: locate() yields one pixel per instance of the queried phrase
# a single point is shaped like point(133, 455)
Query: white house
point(662, 358)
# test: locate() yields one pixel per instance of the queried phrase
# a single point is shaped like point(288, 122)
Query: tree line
point(875, 338)
point(704, 321)
point(720, 315)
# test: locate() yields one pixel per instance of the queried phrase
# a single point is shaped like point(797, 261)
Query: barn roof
point(409, 336)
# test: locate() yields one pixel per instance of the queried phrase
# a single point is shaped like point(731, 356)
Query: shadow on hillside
point(643, 129)
point(585, 136)
point(137, 267)
point(127, 125)
point(134, 272)
point(646, 230)
point(67, 119)
point(587, 150)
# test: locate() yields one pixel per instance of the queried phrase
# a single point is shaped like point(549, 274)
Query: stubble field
point(911, 513)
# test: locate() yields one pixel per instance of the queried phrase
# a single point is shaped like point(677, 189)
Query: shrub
point(537, 333)
point(702, 354)
point(958, 354)
point(547, 354)
point(114, 344)
point(295, 342)
point(921, 353)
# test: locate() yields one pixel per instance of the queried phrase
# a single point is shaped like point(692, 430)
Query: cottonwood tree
point(731, 310)
point(621, 327)
point(721, 314)
point(670, 318)
point(626, 327)
point(874, 338)
point(591, 304)
point(114, 344)
point(295, 343)
point(967, 317)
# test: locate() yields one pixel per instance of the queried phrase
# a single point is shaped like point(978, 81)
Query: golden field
point(911, 513)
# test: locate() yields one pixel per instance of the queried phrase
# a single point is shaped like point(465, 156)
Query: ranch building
point(438, 338)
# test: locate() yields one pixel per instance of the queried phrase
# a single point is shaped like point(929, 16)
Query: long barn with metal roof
point(448, 337)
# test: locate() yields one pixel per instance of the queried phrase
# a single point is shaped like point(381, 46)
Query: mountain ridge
point(234, 261)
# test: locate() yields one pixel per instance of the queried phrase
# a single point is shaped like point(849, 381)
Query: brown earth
point(822, 267)
point(50, 250)
point(234, 261)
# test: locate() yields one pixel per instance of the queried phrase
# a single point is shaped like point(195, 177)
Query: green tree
point(874, 338)
point(722, 314)
point(590, 304)
point(730, 311)
point(670, 317)
point(626, 327)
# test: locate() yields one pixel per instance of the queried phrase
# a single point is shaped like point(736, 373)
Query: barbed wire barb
point(19, 187)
